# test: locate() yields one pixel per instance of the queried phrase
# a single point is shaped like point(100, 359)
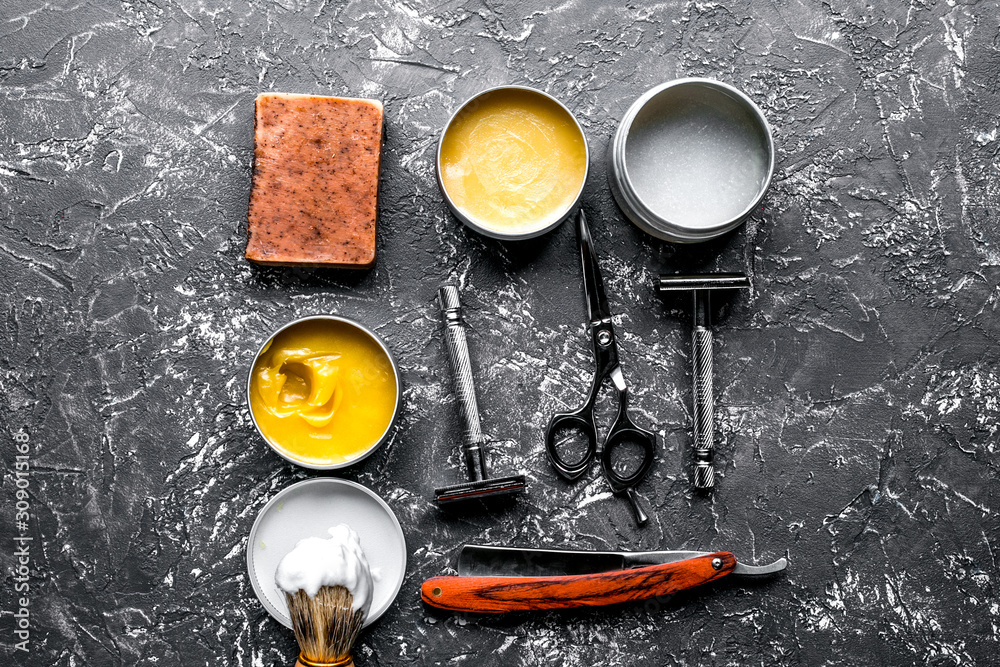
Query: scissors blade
point(593, 284)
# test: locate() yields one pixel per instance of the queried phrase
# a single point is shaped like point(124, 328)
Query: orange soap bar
point(315, 181)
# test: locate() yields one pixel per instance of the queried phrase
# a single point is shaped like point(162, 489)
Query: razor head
point(704, 281)
point(481, 489)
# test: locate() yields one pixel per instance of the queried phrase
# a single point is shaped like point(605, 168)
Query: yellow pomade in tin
point(513, 160)
point(323, 391)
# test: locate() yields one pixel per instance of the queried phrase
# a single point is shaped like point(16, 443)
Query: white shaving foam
point(338, 561)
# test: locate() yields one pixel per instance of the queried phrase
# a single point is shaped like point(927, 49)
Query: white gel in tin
point(696, 157)
point(338, 561)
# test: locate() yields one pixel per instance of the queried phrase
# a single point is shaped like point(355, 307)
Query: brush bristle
point(325, 625)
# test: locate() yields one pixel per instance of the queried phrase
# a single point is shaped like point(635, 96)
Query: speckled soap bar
point(315, 181)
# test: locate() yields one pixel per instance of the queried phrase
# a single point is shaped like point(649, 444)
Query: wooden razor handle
point(493, 595)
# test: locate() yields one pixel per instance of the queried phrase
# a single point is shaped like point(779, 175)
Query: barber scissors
point(577, 429)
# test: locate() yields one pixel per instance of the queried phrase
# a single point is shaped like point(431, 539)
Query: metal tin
point(395, 410)
point(690, 160)
point(308, 509)
point(470, 105)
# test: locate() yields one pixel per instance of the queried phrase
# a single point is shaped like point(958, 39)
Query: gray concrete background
point(858, 383)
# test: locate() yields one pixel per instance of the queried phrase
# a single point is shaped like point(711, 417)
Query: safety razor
point(703, 428)
point(480, 485)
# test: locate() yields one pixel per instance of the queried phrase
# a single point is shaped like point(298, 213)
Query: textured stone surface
point(858, 383)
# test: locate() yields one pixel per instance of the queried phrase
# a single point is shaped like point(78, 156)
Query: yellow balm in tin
point(323, 392)
point(512, 161)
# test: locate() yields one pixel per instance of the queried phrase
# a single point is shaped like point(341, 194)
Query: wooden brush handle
point(493, 595)
point(349, 663)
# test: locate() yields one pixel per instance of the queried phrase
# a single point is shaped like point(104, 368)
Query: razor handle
point(473, 440)
point(704, 407)
point(494, 595)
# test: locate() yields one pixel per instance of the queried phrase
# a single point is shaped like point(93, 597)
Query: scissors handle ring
point(581, 421)
point(624, 431)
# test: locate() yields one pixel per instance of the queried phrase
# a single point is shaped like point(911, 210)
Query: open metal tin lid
point(308, 509)
point(690, 160)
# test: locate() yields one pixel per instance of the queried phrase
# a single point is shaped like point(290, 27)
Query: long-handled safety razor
point(480, 485)
point(701, 354)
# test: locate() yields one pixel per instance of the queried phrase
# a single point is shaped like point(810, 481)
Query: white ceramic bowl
point(309, 509)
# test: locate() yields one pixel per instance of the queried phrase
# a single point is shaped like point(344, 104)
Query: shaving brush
point(325, 626)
